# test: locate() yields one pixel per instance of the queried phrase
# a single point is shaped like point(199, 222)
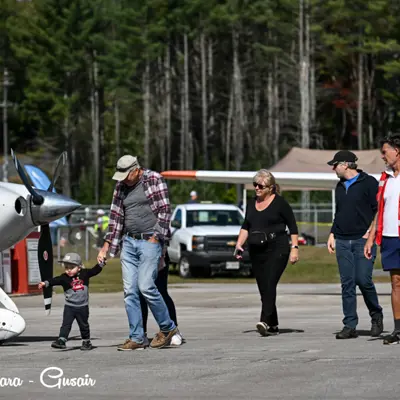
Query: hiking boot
point(393, 338)
point(377, 326)
point(131, 345)
point(264, 330)
point(86, 345)
point(59, 344)
point(162, 339)
point(347, 333)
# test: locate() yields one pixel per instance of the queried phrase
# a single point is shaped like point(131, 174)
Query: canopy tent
point(311, 169)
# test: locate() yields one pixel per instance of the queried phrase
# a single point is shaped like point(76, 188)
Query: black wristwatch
point(295, 247)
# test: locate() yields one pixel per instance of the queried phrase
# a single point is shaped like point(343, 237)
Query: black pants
point(268, 265)
point(162, 286)
point(81, 314)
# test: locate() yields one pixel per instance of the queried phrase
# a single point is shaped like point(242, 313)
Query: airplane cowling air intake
point(21, 206)
point(54, 206)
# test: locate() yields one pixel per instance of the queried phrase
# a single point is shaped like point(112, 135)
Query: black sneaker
point(393, 338)
point(272, 331)
point(59, 344)
point(86, 345)
point(377, 326)
point(347, 333)
point(264, 330)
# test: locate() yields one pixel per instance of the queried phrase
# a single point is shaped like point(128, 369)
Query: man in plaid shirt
point(139, 223)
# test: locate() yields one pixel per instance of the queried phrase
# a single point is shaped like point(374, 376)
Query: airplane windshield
point(213, 217)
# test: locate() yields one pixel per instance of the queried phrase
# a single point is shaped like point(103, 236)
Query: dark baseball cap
point(343, 156)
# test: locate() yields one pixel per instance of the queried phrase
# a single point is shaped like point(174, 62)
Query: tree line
point(196, 84)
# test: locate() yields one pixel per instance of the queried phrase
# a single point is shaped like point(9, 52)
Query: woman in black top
point(264, 228)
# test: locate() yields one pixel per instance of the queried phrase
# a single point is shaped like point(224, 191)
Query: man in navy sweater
point(356, 206)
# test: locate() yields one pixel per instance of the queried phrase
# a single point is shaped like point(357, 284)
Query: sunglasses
point(257, 185)
point(339, 163)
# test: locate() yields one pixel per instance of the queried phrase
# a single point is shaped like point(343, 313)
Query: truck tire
point(184, 268)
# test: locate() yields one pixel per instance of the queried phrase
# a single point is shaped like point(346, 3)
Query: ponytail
point(277, 189)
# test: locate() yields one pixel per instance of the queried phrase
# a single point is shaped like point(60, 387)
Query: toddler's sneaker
point(86, 345)
point(59, 344)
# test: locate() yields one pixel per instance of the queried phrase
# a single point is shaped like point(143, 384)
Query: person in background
point(101, 227)
point(162, 286)
point(386, 227)
point(264, 229)
point(356, 207)
point(193, 197)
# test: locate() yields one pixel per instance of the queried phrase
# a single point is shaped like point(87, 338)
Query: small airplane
point(22, 210)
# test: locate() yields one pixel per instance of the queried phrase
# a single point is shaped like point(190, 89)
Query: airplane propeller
point(36, 197)
point(45, 246)
point(62, 160)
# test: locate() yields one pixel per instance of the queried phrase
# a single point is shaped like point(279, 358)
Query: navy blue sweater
point(355, 208)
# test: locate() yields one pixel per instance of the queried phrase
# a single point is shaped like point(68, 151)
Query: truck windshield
point(213, 217)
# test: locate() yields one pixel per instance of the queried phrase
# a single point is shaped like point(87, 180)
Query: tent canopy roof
point(315, 161)
point(308, 160)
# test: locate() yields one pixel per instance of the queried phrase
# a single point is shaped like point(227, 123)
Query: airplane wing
point(286, 180)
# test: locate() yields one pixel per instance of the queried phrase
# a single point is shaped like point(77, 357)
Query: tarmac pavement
point(223, 357)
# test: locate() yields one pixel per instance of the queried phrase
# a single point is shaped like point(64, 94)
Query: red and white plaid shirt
point(156, 191)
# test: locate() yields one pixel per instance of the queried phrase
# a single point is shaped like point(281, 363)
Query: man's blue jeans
point(354, 270)
point(140, 259)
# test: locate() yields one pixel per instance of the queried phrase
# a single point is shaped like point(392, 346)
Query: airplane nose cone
point(54, 206)
point(11, 324)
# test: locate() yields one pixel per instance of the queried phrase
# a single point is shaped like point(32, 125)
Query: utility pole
point(4, 105)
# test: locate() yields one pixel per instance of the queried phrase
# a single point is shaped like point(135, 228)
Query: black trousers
point(268, 264)
point(81, 314)
point(162, 286)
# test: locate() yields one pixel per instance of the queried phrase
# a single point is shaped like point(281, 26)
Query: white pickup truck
point(204, 238)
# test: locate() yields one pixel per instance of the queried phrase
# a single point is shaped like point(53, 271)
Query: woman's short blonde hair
point(265, 177)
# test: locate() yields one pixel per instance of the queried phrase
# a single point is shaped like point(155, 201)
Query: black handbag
point(259, 238)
